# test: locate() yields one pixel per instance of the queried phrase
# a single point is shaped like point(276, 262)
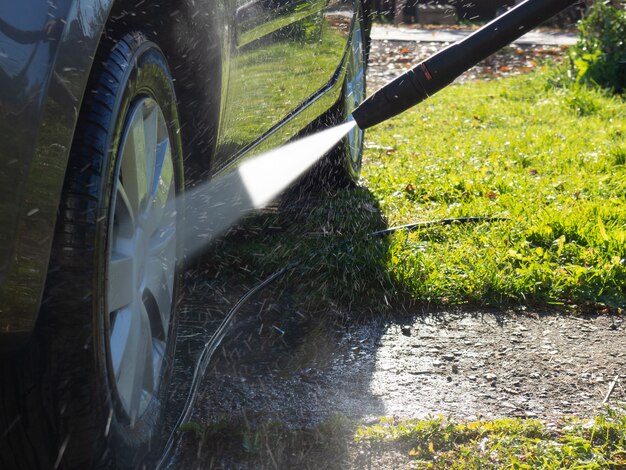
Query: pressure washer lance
point(442, 68)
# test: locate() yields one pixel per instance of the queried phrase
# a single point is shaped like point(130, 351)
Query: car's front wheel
point(105, 341)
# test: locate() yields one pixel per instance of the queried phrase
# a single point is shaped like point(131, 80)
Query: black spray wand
point(439, 70)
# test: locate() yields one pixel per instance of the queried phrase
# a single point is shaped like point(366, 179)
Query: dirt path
point(462, 363)
point(283, 365)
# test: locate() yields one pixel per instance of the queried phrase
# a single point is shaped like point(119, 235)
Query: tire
point(343, 164)
point(106, 337)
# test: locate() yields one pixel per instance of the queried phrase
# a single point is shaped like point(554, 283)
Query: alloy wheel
point(141, 263)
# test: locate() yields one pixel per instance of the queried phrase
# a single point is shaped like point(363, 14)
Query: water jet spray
point(216, 205)
point(442, 68)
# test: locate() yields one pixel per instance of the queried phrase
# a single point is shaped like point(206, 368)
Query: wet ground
point(281, 363)
point(462, 363)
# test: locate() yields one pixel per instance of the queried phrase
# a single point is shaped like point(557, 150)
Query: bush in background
point(599, 57)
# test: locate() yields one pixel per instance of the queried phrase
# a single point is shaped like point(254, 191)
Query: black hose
point(429, 223)
point(439, 70)
point(207, 353)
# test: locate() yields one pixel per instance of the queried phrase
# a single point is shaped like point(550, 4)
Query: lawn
point(505, 443)
point(550, 160)
point(543, 164)
point(436, 443)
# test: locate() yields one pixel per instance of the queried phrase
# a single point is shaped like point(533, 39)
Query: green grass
point(438, 443)
point(504, 443)
point(551, 160)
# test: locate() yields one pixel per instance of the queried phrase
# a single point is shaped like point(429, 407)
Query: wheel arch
point(190, 35)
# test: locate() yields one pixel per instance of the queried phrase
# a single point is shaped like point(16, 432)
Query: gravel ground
point(300, 369)
point(390, 58)
point(462, 363)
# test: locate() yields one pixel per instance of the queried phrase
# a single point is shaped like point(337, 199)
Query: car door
point(283, 51)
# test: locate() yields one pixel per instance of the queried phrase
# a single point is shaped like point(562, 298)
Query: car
point(109, 110)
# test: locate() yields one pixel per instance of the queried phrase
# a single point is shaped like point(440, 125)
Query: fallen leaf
point(619, 457)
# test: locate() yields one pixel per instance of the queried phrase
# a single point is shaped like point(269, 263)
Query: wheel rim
point(141, 261)
point(355, 92)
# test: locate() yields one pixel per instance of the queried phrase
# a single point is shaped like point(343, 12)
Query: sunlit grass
point(551, 160)
point(438, 443)
point(504, 443)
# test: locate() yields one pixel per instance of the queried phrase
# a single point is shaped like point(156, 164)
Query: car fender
point(52, 119)
point(73, 49)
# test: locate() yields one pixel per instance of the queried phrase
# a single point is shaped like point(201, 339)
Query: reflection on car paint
point(278, 65)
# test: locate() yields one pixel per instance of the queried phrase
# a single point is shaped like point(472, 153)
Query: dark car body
point(248, 75)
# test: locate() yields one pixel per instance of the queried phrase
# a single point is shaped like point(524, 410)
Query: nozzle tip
point(393, 98)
